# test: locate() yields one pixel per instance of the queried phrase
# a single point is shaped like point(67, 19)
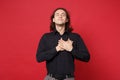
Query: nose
point(60, 16)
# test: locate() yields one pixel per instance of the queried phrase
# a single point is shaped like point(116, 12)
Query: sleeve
point(79, 50)
point(43, 53)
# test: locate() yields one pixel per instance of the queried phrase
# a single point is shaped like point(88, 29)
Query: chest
point(52, 41)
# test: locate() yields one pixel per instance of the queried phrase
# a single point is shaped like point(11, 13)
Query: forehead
point(60, 11)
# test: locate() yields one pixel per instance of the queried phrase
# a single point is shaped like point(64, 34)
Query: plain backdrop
point(23, 22)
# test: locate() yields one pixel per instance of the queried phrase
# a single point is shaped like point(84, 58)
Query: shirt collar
point(56, 32)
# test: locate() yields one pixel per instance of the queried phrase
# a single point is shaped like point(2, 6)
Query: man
point(60, 47)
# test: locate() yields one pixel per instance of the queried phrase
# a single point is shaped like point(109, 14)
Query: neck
point(60, 29)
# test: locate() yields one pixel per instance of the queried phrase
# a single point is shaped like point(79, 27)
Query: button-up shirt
point(61, 62)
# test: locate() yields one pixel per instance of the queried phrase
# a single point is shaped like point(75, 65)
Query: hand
point(59, 46)
point(69, 45)
point(65, 45)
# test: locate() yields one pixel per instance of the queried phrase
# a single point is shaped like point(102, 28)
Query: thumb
point(69, 39)
point(60, 39)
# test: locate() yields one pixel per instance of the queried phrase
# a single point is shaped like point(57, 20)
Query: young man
point(60, 47)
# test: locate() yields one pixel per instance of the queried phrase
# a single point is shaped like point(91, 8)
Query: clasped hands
point(64, 45)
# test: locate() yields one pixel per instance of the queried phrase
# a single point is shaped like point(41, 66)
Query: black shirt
point(61, 62)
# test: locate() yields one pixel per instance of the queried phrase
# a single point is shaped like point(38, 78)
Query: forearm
point(45, 55)
point(82, 55)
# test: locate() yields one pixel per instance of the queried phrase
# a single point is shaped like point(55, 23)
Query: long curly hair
point(67, 24)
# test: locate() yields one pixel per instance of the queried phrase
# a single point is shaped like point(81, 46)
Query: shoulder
point(47, 34)
point(75, 34)
point(76, 37)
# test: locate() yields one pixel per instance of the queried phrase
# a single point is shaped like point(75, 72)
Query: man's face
point(60, 17)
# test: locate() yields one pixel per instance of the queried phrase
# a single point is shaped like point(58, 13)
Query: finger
point(69, 40)
point(61, 41)
point(61, 46)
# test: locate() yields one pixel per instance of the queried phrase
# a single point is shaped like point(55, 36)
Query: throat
point(60, 29)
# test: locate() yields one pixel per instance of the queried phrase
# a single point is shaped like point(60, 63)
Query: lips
point(60, 19)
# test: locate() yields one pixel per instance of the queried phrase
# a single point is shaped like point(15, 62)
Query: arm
point(79, 50)
point(43, 53)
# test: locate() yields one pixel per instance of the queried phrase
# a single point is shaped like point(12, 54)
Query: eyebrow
point(62, 13)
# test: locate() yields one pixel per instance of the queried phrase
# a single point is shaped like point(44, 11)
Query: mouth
point(60, 19)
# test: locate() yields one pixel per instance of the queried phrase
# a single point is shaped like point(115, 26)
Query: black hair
point(67, 24)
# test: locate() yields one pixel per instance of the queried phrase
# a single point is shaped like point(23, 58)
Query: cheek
point(65, 18)
point(54, 19)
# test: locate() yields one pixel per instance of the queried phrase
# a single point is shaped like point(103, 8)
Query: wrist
point(57, 48)
point(70, 49)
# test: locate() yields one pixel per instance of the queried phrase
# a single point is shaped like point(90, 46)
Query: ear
point(66, 20)
point(53, 20)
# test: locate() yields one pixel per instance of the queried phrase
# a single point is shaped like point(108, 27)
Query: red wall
point(22, 23)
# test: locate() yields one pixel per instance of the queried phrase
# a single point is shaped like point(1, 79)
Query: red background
point(22, 23)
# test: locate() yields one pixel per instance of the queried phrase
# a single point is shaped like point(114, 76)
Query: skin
point(60, 19)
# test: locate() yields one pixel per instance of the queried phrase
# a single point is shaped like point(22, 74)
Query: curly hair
point(67, 24)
